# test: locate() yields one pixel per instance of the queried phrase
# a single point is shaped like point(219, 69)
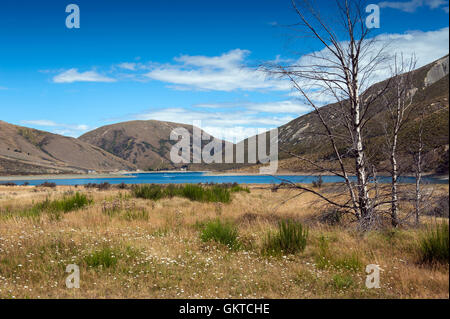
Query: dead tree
point(342, 71)
point(399, 105)
point(417, 157)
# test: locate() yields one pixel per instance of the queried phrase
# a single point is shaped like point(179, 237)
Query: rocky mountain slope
point(28, 151)
point(306, 135)
point(145, 144)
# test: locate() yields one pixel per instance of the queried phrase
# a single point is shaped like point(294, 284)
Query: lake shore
point(126, 174)
point(61, 176)
point(132, 247)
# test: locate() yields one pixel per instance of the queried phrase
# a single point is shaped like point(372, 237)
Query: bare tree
point(342, 71)
point(399, 105)
point(417, 157)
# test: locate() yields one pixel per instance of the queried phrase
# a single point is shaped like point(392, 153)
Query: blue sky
point(179, 61)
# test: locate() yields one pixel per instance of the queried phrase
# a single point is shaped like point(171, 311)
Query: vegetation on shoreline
point(178, 248)
point(217, 193)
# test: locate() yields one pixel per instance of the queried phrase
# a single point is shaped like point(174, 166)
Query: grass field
point(180, 247)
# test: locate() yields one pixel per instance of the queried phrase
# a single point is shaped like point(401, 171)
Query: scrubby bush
point(122, 186)
point(290, 238)
point(341, 282)
point(153, 192)
point(317, 183)
point(8, 184)
point(434, 244)
point(222, 232)
point(213, 194)
point(104, 258)
point(48, 184)
point(66, 204)
point(102, 186)
point(216, 193)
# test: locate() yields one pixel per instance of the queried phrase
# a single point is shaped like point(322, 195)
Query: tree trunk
point(418, 180)
point(360, 165)
point(394, 192)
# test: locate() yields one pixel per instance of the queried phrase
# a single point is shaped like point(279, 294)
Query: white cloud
point(73, 130)
point(426, 46)
point(221, 124)
point(413, 5)
point(227, 72)
point(277, 107)
point(128, 66)
point(73, 75)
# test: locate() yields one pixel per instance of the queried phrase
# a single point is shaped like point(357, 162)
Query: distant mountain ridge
point(146, 145)
point(28, 151)
point(300, 136)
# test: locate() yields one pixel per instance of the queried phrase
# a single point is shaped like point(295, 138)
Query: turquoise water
point(198, 177)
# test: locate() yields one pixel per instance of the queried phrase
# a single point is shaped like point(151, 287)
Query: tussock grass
point(216, 193)
point(342, 281)
point(291, 238)
point(53, 207)
point(221, 232)
point(66, 204)
point(105, 258)
point(434, 244)
point(326, 259)
point(162, 255)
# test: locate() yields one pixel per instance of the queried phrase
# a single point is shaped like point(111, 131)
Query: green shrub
point(32, 212)
point(235, 188)
point(54, 208)
point(130, 215)
point(290, 238)
point(105, 258)
point(153, 192)
point(349, 262)
point(221, 232)
point(66, 204)
point(212, 194)
point(323, 258)
point(434, 244)
point(341, 282)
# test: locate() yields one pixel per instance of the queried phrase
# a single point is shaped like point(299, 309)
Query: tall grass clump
point(290, 238)
point(211, 194)
point(153, 192)
point(434, 244)
point(105, 258)
point(54, 208)
point(199, 193)
point(66, 204)
point(222, 232)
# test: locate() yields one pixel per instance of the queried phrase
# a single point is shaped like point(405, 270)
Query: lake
point(200, 177)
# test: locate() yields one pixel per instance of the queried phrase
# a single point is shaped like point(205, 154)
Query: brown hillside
point(28, 151)
point(146, 144)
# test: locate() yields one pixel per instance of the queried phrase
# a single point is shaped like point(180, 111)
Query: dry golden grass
point(159, 254)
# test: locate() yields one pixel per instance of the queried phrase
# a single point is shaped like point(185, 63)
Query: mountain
point(28, 151)
point(145, 144)
point(305, 135)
